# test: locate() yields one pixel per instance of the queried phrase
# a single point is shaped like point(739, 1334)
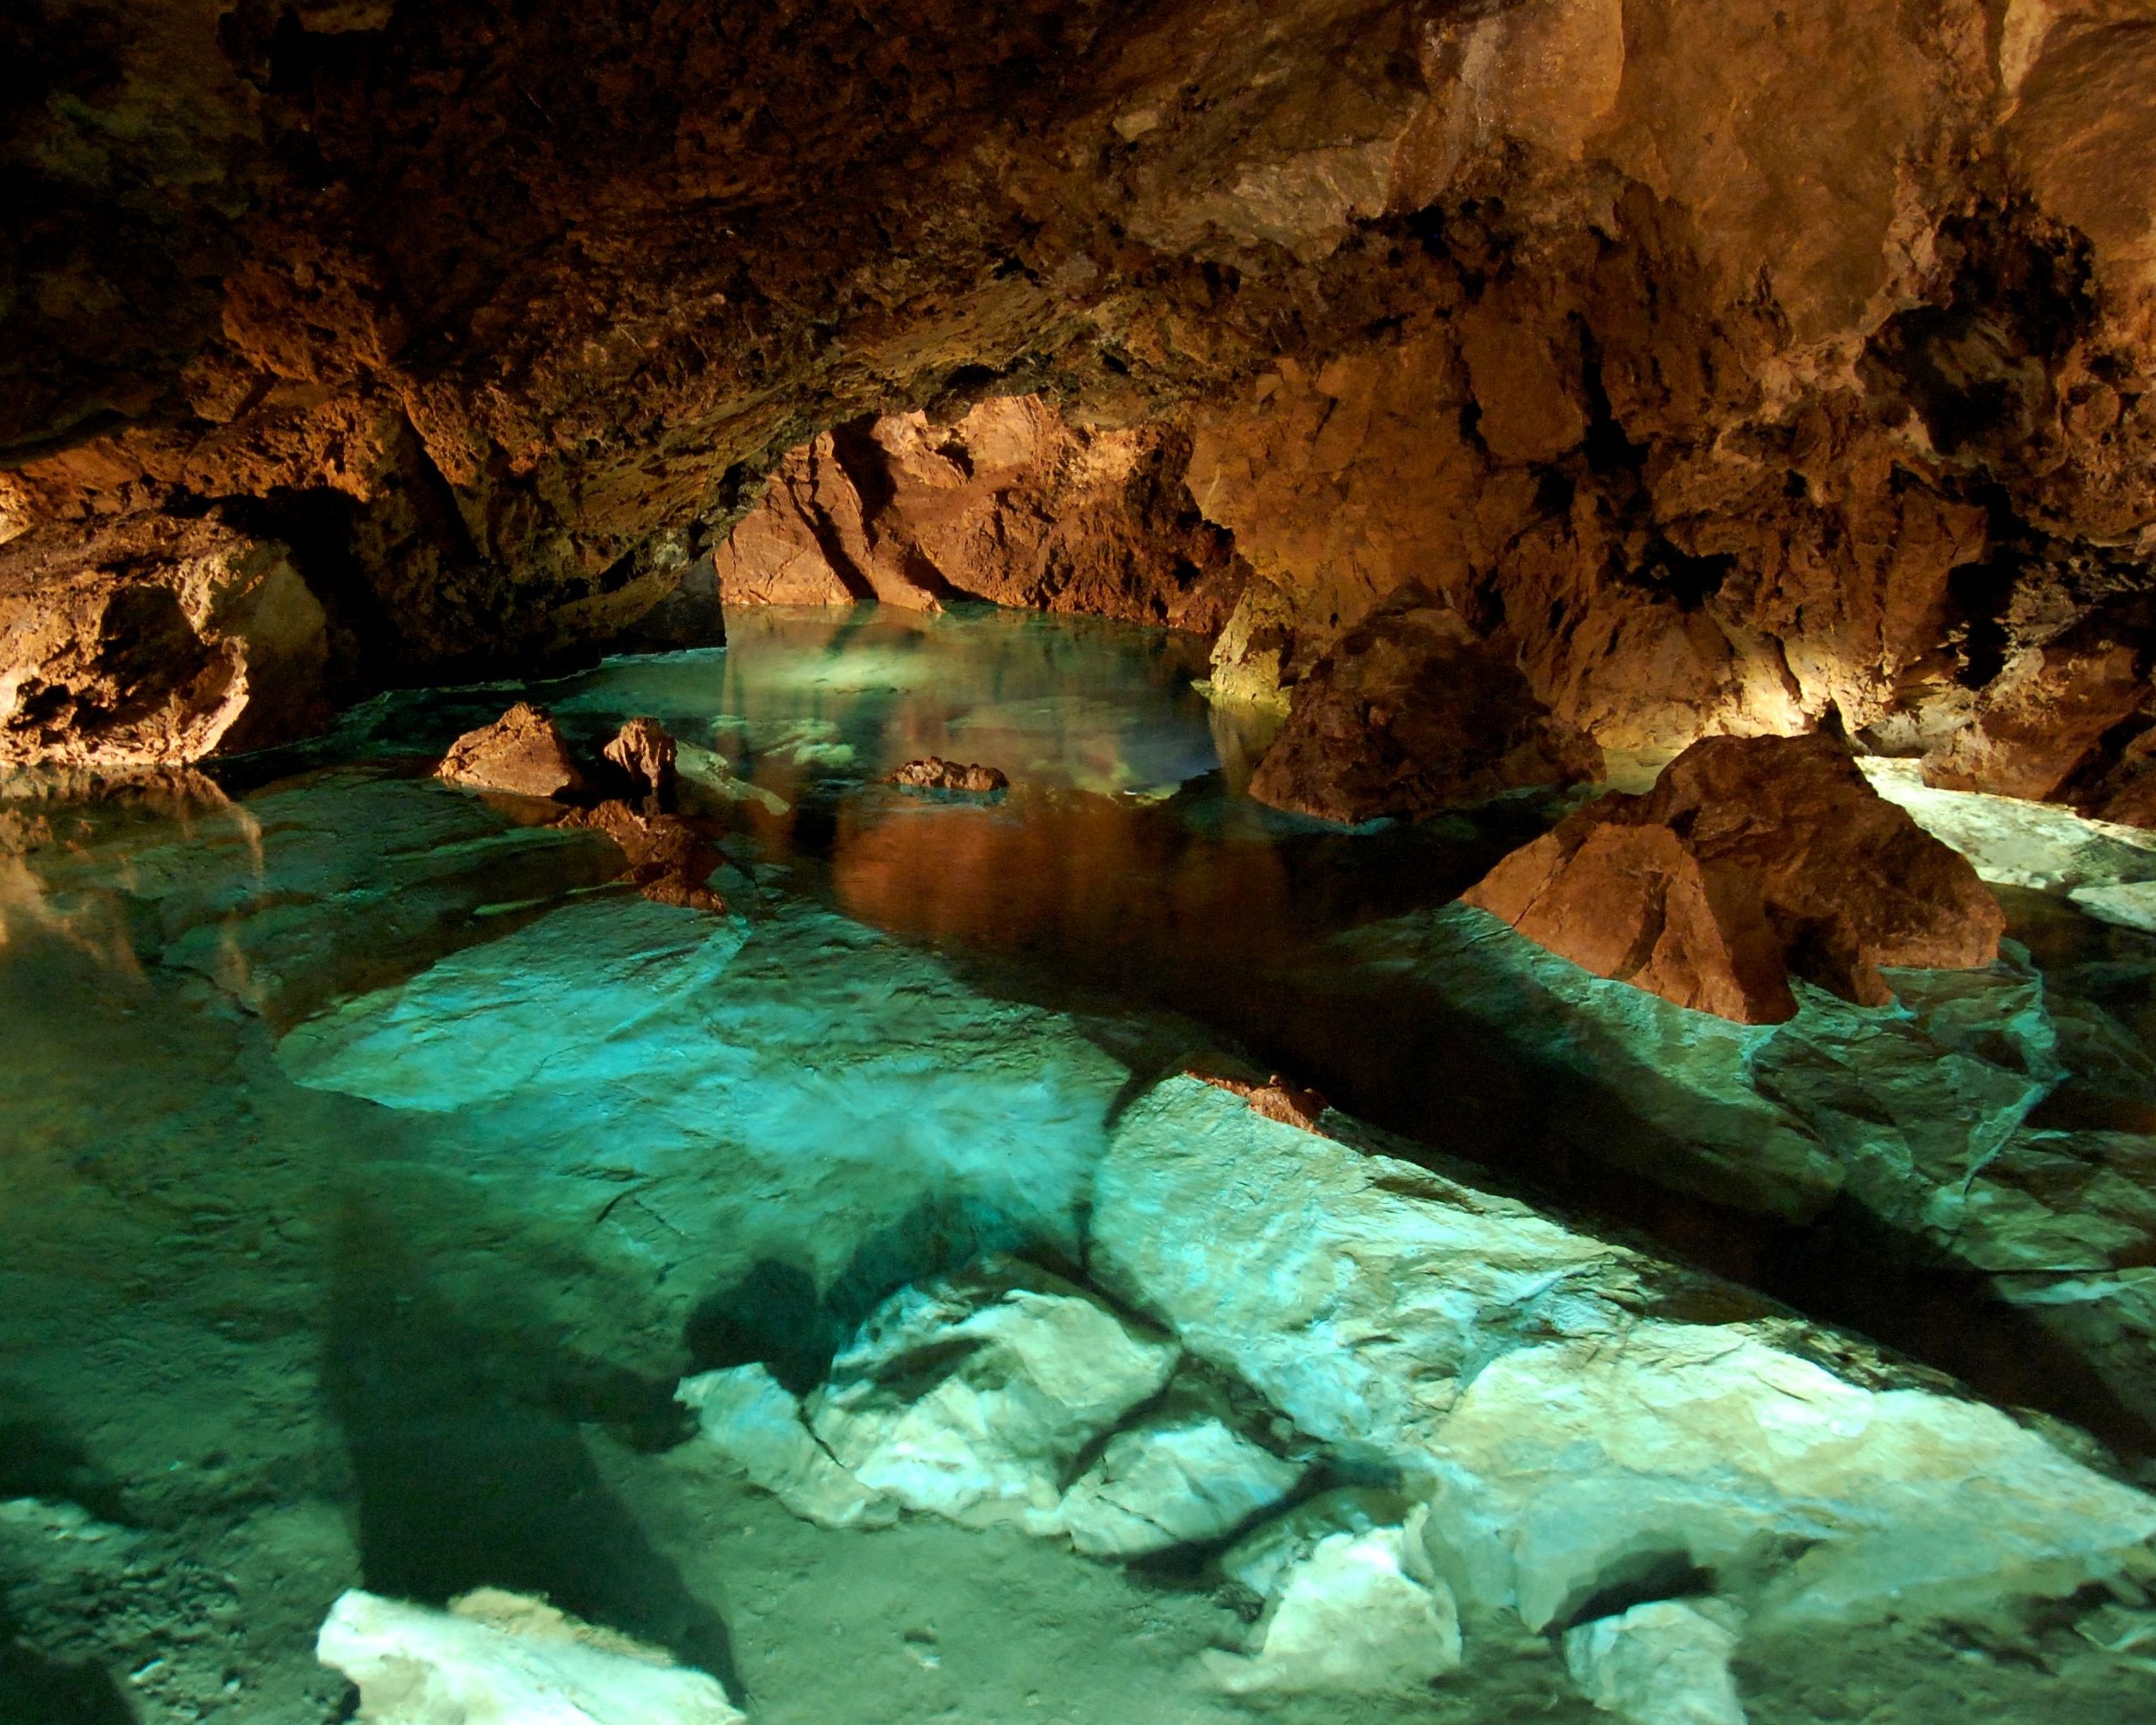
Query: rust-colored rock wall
point(1755, 369)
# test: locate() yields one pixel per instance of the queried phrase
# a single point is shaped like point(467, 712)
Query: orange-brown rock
point(521, 752)
point(644, 751)
point(1410, 713)
point(933, 772)
point(1009, 502)
point(670, 860)
point(2041, 719)
point(1751, 860)
point(1276, 1099)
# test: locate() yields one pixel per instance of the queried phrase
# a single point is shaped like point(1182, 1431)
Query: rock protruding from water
point(971, 1396)
point(523, 752)
point(1410, 713)
point(1751, 860)
point(644, 751)
point(498, 1655)
point(933, 772)
point(1663, 1663)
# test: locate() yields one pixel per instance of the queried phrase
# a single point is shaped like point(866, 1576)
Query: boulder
point(1752, 859)
point(933, 772)
point(1361, 1614)
point(644, 750)
point(1410, 713)
point(521, 752)
point(1663, 1663)
point(971, 1396)
point(496, 1655)
point(670, 862)
point(1163, 1486)
point(756, 1423)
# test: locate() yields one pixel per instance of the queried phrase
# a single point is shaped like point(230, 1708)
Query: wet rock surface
point(1751, 860)
point(642, 750)
point(523, 752)
point(1409, 714)
point(936, 773)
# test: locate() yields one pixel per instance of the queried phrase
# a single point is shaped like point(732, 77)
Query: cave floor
point(371, 1169)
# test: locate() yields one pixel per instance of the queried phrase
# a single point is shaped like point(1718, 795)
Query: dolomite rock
point(933, 772)
point(496, 1655)
point(1163, 1486)
point(1566, 1443)
point(1750, 860)
point(1663, 1663)
point(969, 1397)
point(644, 750)
point(670, 862)
point(1410, 713)
point(757, 1423)
point(1362, 1613)
point(155, 643)
point(523, 752)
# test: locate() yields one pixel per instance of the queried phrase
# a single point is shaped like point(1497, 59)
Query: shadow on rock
point(37, 1689)
point(469, 1468)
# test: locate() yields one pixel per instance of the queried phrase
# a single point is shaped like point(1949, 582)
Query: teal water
point(372, 1166)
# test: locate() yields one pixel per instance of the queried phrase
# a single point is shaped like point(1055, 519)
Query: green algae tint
point(373, 1171)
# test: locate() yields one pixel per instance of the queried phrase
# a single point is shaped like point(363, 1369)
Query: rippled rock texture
point(1751, 372)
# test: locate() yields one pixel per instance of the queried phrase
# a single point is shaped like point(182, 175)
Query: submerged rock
point(1410, 713)
point(670, 862)
point(1570, 1445)
point(933, 772)
point(970, 1396)
point(1164, 1486)
point(1752, 859)
point(521, 752)
point(502, 1656)
point(1362, 1613)
point(1663, 1663)
point(757, 1423)
point(643, 750)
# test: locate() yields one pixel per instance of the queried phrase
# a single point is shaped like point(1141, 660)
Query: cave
point(1098, 861)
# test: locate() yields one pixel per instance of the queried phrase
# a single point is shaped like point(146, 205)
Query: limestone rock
point(1663, 1663)
point(670, 862)
point(644, 750)
point(2042, 717)
point(1261, 1559)
point(523, 752)
point(1362, 1613)
point(155, 643)
point(970, 1396)
point(1162, 1486)
point(496, 1655)
point(1409, 714)
point(758, 1424)
point(1752, 859)
point(933, 772)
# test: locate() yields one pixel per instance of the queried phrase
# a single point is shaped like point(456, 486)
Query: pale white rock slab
point(971, 1396)
point(1160, 1487)
point(1663, 1663)
point(1567, 1466)
point(504, 1657)
point(1361, 1614)
point(757, 1424)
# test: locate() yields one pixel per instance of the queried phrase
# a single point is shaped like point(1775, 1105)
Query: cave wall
point(1752, 367)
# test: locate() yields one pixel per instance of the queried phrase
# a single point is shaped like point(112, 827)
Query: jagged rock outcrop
point(643, 750)
point(1409, 714)
point(933, 772)
point(521, 752)
point(1755, 373)
point(1751, 861)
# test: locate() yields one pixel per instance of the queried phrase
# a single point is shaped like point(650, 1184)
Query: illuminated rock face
point(1751, 860)
point(1189, 310)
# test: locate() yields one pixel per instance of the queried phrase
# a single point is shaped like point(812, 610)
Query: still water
point(372, 1168)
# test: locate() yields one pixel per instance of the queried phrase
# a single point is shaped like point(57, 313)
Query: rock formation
point(670, 860)
point(933, 772)
point(1751, 860)
point(642, 750)
point(523, 752)
point(1409, 714)
point(1753, 374)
